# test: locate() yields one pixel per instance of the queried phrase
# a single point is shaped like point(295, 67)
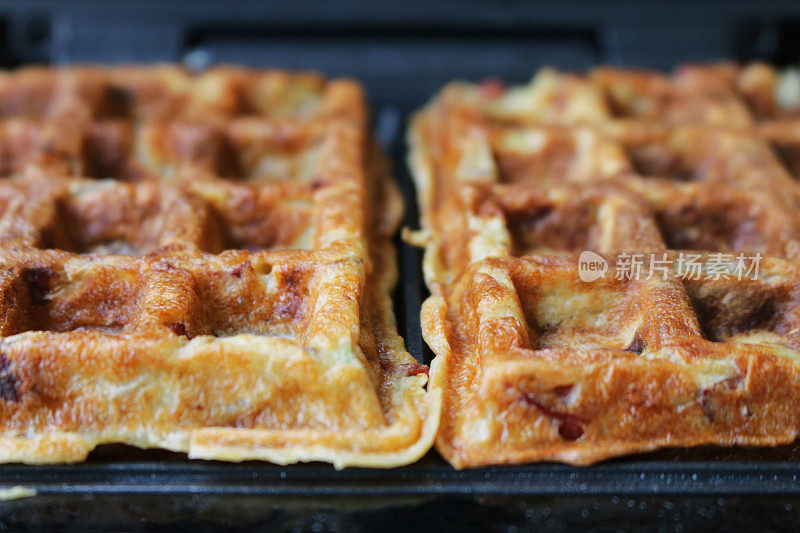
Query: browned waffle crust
point(535, 364)
point(200, 263)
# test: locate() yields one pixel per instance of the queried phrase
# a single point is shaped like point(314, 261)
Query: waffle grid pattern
point(200, 263)
point(535, 364)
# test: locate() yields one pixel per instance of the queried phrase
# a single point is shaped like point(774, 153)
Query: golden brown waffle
point(537, 362)
point(203, 264)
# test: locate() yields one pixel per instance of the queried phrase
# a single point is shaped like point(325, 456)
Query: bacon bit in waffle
point(318, 184)
point(241, 269)
point(706, 396)
point(405, 369)
point(8, 381)
point(562, 391)
point(636, 346)
point(178, 328)
point(570, 426)
point(491, 88)
point(290, 302)
point(38, 280)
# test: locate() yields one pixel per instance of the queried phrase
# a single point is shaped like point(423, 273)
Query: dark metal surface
point(137, 474)
point(446, 513)
point(122, 488)
point(402, 50)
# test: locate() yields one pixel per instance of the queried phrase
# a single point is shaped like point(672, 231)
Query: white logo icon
point(591, 266)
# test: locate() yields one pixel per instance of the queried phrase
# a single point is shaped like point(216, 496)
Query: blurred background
point(403, 50)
